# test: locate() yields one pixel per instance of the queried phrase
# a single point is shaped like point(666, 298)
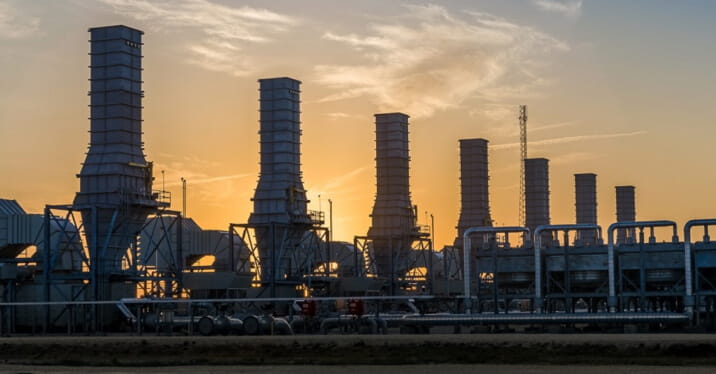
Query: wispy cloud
point(568, 8)
point(338, 115)
point(14, 24)
point(568, 139)
point(335, 186)
point(575, 157)
point(225, 29)
point(431, 60)
point(211, 179)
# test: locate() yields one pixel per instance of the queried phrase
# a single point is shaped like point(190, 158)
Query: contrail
point(569, 139)
point(341, 180)
point(210, 180)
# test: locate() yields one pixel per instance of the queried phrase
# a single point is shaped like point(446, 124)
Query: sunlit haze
point(620, 89)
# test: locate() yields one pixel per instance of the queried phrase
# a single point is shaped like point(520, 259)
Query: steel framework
point(407, 272)
point(309, 257)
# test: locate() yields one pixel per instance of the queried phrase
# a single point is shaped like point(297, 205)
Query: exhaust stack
point(537, 193)
point(474, 191)
point(585, 191)
point(626, 212)
point(280, 206)
point(393, 221)
point(115, 180)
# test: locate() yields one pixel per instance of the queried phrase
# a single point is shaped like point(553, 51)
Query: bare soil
point(337, 350)
point(373, 369)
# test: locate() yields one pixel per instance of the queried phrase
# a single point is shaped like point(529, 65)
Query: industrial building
point(118, 258)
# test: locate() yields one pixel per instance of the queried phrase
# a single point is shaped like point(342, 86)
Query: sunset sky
point(623, 89)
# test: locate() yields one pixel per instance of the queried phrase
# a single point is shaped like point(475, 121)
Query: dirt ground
point(412, 369)
point(126, 353)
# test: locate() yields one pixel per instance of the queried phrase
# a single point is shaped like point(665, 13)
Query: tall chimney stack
point(115, 180)
point(585, 191)
point(626, 212)
point(393, 222)
point(474, 191)
point(280, 199)
point(536, 192)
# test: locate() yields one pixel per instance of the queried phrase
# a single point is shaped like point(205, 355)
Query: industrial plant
point(119, 259)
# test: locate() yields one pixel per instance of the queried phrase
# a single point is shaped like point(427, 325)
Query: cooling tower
point(536, 192)
point(115, 180)
point(626, 212)
point(585, 191)
point(474, 192)
point(393, 227)
point(279, 199)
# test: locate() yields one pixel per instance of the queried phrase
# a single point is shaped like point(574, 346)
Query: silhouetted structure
point(393, 222)
point(626, 212)
point(585, 195)
point(474, 191)
point(280, 214)
point(536, 192)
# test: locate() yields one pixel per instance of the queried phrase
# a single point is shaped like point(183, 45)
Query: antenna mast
point(523, 156)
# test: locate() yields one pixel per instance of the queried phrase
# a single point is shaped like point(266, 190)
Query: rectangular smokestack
point(393, 227)
point(279, 199)
point(116, 179)
point(585, 191)
point(536, 192)
point(626, 212)
point(474, 192)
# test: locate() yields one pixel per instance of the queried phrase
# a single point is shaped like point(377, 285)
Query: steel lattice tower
point(523, 156)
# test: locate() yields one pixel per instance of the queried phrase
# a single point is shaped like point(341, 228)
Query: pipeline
point(259, 325)
point(541, 318)
point(375, 325)
point(215, 325)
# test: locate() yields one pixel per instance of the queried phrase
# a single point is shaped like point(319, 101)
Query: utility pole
point(183, 197)
point(432, 227)
point(431, 268)
point(523, 156)
point(330, 218)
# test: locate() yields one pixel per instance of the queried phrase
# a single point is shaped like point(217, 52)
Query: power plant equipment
point(626, 212)
point(394, 228)
point(585, 196)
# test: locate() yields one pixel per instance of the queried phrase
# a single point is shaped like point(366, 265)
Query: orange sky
point(608, 92)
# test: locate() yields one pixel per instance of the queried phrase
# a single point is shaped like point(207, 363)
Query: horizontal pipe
point(543, 318)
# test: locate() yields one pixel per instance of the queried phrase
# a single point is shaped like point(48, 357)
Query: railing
point(317, 217)
point(164, 197)
point(166, 314)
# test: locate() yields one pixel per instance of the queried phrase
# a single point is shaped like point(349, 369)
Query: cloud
point(575, 157)
point(210, 179)
point(338, 115)
point(14, 25)
point(568, 8)
point(567, 139)
point(224, 29)
point(335, 186)
point(431, 60)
